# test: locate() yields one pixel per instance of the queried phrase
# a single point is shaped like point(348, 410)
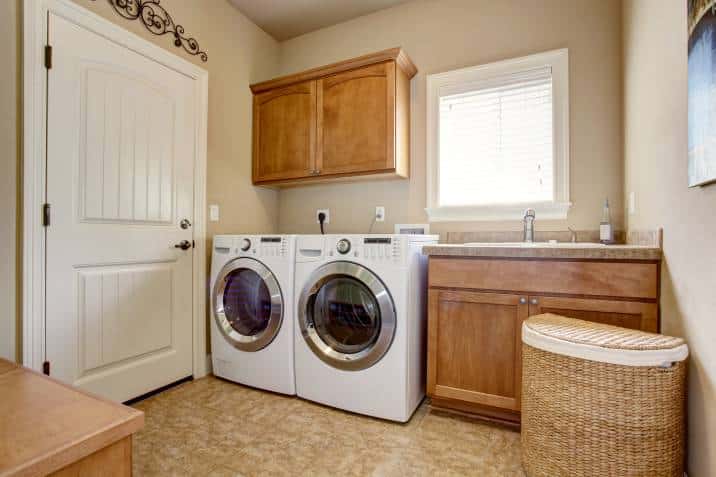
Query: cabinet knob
point(534, 301)
point(523, 300)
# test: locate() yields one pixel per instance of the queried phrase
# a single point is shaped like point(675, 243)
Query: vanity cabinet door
point(284, 133)
point(474, 347)
point(627, 314)
point(356, 121)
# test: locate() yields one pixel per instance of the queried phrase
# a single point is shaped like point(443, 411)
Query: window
point(498, 140)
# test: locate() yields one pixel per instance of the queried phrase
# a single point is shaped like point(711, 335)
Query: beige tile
point(214, 427)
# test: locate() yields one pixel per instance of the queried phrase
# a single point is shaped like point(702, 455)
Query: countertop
point(46, 425)
point(546, 250)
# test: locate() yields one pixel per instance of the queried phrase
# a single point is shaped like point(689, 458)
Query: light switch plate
point(632, 203)
point(214, 213)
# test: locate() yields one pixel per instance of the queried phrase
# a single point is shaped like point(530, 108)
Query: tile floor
point(215, 428)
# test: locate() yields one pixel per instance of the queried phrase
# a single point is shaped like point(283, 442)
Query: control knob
point(245, 244)
point(343, 246)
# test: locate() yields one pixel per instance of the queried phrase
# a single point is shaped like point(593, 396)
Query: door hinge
point(46, 215)
point(48, 57)
point(46, 368)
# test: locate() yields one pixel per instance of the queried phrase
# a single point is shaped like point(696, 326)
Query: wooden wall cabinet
point(342, 121)
point(476, 308)
point(285, 132)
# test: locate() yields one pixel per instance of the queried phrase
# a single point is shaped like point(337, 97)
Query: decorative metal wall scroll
point(158, 21)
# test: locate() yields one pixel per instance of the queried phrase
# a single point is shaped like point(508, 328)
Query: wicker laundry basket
point(599, 400)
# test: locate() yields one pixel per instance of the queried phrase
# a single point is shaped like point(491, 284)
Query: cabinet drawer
point(612, 279)
point(627, 314)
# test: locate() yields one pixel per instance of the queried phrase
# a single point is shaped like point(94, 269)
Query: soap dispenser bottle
point(606, 232)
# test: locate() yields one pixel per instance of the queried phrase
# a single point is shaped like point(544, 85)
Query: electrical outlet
point(380, 214)
point(328, 215)
point(632, 203)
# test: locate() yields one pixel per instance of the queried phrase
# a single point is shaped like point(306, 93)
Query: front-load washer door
point(347, 316)
point(247, 304)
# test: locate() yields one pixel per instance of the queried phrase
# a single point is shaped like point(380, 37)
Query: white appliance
point(361, 309)
point(252, 310)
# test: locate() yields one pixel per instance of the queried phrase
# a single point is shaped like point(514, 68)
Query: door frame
point(35, 17)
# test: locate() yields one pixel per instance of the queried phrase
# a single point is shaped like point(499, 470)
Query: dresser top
point(46, 425)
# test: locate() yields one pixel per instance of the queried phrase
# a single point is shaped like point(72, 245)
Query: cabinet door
point(474, 347)
point(356, 120)
point(627, 314)
point(284, 133)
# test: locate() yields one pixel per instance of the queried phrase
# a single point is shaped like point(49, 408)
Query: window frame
point(558, 61)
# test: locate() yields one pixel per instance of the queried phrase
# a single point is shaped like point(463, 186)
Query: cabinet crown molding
point(392, 54)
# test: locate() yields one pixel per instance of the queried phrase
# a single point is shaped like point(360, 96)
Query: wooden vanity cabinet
point(476, 307)
point(346, 120)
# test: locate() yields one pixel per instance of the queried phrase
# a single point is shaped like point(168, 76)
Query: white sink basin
point(536, 244)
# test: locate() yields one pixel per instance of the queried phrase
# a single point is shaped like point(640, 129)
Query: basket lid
point(600, 342)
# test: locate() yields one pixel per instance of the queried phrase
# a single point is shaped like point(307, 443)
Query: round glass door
point(347, 316)
point(247, 303)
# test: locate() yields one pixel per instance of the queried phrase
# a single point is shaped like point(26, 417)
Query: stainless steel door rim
point(267, 335)
point(364, 358)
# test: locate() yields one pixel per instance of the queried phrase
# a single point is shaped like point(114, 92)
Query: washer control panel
point(379, 249)
point(382, 248)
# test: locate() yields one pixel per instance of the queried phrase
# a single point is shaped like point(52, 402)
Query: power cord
point(321, 220)
point(370, 229)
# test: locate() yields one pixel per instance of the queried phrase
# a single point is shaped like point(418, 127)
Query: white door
point(121, 137)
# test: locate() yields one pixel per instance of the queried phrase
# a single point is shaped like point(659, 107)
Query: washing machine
point(252, 310)
point(361, 316)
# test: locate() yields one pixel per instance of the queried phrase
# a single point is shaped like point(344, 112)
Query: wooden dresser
point(478, 299)
point(50, 428)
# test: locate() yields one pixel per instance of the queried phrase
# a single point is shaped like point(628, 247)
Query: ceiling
point(284, 19)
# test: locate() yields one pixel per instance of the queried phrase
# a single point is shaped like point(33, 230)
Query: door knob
point(534, 301)
point(184, 245)
point(523, 300)
point(185, 224)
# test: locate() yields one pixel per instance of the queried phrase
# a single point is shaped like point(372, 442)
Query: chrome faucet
point(573, 235)
point(529, 225)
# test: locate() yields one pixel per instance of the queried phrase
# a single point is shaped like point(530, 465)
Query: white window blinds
point(496, 141)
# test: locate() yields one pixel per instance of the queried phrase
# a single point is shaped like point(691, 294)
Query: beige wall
point(655, 152)
point(239, 53)
point(9, 55)
point(448, 34)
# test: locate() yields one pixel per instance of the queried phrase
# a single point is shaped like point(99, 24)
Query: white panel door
point(121, 146)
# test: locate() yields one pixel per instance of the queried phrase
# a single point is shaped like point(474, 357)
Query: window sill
point(544, 211)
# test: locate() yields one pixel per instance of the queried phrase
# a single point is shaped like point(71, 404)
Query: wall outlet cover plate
point(328, 215)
